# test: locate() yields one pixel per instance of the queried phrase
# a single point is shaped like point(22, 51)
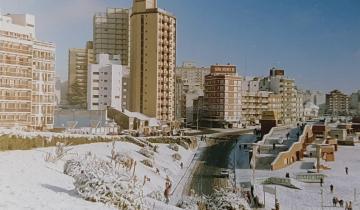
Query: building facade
point(277, 83)
point(106, 84)
point(27, 68)
point(337, 103)
point(190, 81)
point(111, 34)
point(152, 60)
point(79, 60)
point(222, 97)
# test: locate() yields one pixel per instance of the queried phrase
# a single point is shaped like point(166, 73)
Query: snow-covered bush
point(219, 200)
point(60, 152)
point(185, 145)
point(174, 147)
point(72, 167)
point(157, 195)
point(146, 152)
point(189, 203)
point(176, 156)
point(148, 163)
point(97, 180)
point(224, 199)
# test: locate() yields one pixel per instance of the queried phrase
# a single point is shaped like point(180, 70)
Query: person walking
point(321, 182)
point(347, 170)
point(331, 188)
point(346, 205)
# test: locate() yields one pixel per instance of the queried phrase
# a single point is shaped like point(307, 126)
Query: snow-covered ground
point(309, 196)
point(27, 181)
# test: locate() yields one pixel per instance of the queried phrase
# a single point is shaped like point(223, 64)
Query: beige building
point(337, 103)
point(111, 33)
point(279, 84)
point(153, 59)
point(255, 102)
point(79, 60)
point(190, 81)
point(27, 68)
point(222, 98)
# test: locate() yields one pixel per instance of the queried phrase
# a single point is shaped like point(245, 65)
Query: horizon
point(308, 39)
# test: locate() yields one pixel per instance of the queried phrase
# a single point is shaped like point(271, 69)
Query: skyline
point(313, 41)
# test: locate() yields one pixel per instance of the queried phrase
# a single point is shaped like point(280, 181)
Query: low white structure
point(107, 84)
point(311, 110)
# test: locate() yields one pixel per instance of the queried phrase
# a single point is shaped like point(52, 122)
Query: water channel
point(218, 156)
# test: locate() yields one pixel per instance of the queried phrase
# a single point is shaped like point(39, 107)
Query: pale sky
point(316, 41)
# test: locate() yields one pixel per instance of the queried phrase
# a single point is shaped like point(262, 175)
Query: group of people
point(348, 205)
point(335, 201)
point(203, 138)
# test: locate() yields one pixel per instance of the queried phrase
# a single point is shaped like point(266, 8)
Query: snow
point(309, 196)
point(27, 181)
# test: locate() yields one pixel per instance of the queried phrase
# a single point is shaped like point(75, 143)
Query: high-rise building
point(222, 98)
point(79, 59)
point(153, 59)
point(106, 86)
point(279, 84)
point(337, 103)
point(27, 68)
point(190, 81)
point(111, 33)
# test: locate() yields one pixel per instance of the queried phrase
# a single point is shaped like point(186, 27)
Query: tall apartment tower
point(79, 60)
point(153, 60)
point(27, 68)
point(112, 33)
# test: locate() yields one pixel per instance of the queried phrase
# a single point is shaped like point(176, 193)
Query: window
point(95, 88)
point(95, 104)
point(95, 96)
point(95, 73)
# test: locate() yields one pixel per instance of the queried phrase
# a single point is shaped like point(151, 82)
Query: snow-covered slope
point(27, 181)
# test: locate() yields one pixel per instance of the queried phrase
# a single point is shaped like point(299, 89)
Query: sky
point(317, 42)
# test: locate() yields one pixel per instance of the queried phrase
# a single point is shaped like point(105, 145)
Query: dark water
point(218, 157)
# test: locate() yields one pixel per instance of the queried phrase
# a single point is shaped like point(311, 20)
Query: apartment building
point(111, 33)
point(337, 103)
point(255, 101)
point(79, 59)
point(106, 84)
point(190, 81)
point(279, 84)
point(26, 74)
point(222, 97)
point(43, 85)
point(153, 54)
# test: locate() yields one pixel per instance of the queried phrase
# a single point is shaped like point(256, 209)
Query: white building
point(107, 84)
point(311, 110)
